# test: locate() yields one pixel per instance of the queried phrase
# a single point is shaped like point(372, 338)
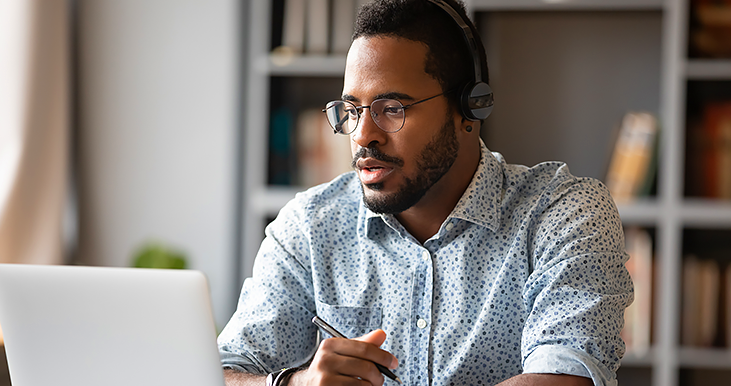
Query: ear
point(469, 127)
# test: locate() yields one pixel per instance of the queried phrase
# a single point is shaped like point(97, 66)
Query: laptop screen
point(85, 326)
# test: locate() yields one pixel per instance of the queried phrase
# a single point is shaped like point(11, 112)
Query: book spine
point(293, 34)
point(317, 27)
point(343, 20)
point(632, 154)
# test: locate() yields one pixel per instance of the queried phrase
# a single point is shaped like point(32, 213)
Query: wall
point(565, 79)
point(157, 112)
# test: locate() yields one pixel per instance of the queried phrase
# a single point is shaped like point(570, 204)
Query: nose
point(367, 132)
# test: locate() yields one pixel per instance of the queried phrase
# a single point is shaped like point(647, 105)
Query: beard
point(433, 162)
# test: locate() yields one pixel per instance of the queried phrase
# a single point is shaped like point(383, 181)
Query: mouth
point(371, 171)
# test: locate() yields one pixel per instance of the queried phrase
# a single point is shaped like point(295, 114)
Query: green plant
point(156, 255)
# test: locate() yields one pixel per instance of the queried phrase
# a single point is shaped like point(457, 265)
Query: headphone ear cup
point(477, 101)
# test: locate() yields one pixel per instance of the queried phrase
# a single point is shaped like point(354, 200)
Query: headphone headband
point(469, 37)
point(477, 98)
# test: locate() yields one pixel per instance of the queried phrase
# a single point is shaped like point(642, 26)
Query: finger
point(359, 349)
point(352, 367)
point(377, 337)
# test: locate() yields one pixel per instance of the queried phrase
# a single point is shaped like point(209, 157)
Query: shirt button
point(426, 256)
point(421, 323)
point(450, 226)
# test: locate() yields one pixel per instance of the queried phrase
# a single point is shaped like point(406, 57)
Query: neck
point(424, 219)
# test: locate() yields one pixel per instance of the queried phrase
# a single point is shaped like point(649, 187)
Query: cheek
point(353, 146)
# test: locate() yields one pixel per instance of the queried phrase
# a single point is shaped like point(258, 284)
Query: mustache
point(373, 152)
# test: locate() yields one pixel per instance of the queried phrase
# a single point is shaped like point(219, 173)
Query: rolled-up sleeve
point(579, 288)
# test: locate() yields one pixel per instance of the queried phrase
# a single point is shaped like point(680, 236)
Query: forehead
point(380, 64)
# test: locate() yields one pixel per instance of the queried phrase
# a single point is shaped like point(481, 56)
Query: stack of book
point(706, 311)
point(632, 167)
point(710, 35)
point(638, 316)
point(321, 154)
point(714, 156)
point(318, 27)
point(303, 150)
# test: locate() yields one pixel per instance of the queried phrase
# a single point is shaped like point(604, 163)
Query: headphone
point(476, 100)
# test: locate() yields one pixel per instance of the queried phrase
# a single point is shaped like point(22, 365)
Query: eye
point(392, 110)
point(351, 110)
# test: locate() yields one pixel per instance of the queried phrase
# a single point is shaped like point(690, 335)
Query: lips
point(372, 171)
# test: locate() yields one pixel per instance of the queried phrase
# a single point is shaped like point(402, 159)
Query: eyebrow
point(385, 95)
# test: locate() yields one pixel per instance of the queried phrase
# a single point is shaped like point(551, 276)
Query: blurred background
point(181, 127)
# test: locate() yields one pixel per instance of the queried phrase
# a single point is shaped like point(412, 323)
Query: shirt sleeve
point(579, 286)
point(271, 328)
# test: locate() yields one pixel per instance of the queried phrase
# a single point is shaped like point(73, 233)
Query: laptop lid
point(90, 326)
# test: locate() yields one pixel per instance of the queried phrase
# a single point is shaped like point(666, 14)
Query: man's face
point(397, 169)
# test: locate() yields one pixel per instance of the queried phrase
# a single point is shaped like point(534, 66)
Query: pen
point(330, 330)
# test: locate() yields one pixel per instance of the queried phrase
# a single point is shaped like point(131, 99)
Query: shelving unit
point(669, 212)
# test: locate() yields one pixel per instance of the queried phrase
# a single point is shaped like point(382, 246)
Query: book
point(321, 154)
point(316, 27)
point(632, 157)
point(281, 147)
point(727, 305)
point(293, 28)
point(343, 18)
point(709, 278)
point(710, 35)
point(716, 155)
point(701, 279)
point(637, 317)
point(690, 307)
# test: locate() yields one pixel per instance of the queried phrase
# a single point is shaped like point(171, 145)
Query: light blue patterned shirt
point(526, 275)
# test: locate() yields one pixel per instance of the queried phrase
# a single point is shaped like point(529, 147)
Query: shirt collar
point(479, 203)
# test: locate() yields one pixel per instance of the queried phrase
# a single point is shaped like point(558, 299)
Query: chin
point(394, 202)
point(375, 187)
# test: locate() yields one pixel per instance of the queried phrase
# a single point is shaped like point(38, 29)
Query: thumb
point(375, 337)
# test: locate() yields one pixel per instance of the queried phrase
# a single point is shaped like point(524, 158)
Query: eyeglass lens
point(343, 116)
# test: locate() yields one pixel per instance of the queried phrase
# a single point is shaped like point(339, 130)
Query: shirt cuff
point(241, 364)
point(566, 360)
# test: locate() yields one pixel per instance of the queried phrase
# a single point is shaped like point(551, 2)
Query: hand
point(343, 361)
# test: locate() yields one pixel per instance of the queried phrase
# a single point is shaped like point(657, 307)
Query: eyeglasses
point(388, 114)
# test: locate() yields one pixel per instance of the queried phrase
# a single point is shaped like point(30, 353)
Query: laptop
point(91, 326)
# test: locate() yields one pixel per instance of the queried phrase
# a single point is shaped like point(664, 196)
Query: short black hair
point(448, 59)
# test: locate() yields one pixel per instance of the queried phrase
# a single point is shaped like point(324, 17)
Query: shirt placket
point(422, 318)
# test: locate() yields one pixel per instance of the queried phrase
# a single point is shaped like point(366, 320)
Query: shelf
point(709, 69)
point(708, 358)
point(296, 65)
point(269, 200)
point(636, 359)
point(706, 213)
point(640, 212)
point(564, 5)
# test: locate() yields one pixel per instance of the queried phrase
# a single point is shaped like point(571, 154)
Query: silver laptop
point(91, 326)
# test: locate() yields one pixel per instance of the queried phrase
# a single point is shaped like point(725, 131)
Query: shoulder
point(339, 197)
point(548, 183)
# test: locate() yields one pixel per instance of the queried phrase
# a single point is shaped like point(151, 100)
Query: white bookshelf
point(705, 69)
point(285, 65)
point(668, 213)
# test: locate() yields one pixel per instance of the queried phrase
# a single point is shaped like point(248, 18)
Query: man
point(452, 266)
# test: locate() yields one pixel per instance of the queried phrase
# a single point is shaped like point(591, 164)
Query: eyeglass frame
point(359, 109)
